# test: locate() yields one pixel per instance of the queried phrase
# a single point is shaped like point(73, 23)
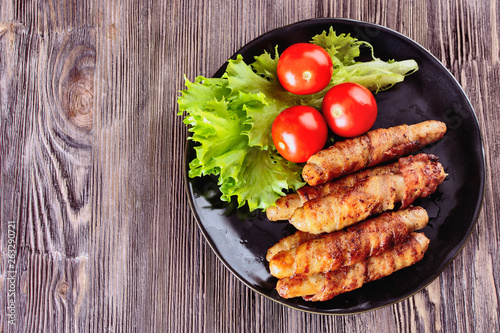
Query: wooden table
point(96, 230)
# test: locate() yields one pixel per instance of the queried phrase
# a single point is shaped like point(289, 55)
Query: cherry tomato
point(349, 109)
point(299, 132)
point(305, 68)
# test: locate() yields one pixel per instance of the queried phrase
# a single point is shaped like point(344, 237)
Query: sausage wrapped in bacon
point(286, 205)
point(373, 148)
point(325, 286)
point(418, 177)
point(347, 247)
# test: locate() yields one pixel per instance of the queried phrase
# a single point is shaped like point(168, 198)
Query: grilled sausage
point(325, 286)
point(375, 147)
point(419, 176)
point(330, 251)
point(286, 205)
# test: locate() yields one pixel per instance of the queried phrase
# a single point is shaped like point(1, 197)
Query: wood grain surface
point(96, 230)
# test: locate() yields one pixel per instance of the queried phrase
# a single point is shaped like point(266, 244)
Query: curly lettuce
point(230, 118)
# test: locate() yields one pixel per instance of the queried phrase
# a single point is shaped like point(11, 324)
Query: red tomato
point(349, 109)
point(305, 68)
point(299, 132)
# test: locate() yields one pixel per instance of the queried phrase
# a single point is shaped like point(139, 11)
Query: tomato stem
point(337, 112)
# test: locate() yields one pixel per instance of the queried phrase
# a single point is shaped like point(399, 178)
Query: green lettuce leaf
point(376, 74)
point(342, 48)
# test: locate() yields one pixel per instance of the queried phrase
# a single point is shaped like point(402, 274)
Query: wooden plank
point(131, 235)
point(46, 110)
point(44, 16)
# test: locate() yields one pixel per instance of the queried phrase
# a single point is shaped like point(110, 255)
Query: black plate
point(240, 239)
